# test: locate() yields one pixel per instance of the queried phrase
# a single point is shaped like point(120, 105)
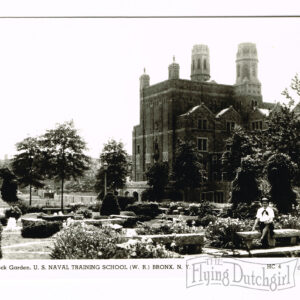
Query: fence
point(68, 199)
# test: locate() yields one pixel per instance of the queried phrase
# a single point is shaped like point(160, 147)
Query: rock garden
point(119, 227)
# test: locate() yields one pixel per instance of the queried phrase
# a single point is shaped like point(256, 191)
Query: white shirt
point(265, 214)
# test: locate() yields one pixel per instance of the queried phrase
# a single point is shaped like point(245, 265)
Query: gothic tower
point(174, 70)
point(200, 66)
point(144, 80)
point(246, 69)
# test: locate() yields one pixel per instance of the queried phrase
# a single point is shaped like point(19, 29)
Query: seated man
point(264, 217)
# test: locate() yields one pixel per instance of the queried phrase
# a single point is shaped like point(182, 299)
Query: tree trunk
point(62, 195)
point(30, 194)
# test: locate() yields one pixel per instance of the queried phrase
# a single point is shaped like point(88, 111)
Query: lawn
point(14, 246)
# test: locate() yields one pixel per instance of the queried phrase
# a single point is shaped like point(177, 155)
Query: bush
point(80, 241)
point(166, 227)
point(96, 206)
point(40, 229)
point(13, 212)
point(110, 206)
point(206, 220)
point(145, 209)
point(3, 220)
point(288, 221)
point(244, 211)
point(222, 233)
point(124, 201)
point(144, 248)
point(26, 209)
point(85, 212)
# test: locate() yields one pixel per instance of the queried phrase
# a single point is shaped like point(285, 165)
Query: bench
point(249, 236)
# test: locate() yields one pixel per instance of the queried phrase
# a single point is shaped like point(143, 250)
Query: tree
point(283, 135)
point(116, 158)
point(64, 154)
point(27, 164)
point(157, 177)
point(241, 144)
point(245, 188)
point(9, 186)
point(188, 171)
point(280, 170)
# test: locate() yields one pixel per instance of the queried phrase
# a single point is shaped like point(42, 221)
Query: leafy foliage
point(245, 188)
point(222, 233)
point(157, 177)
point(64, 154)
point(283, 136)
point(110, 205)
point(188, 171)
point(114, 155)
point(280, 170)
point(145, 209)
point(241, 144)
point(13, 212)
point(27, 164)
point(9, 186)
point(1, 228)
point(41, 229)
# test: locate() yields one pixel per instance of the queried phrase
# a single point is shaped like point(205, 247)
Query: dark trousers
point(262, 226)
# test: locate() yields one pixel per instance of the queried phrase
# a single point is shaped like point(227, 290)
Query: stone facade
point(202, 110)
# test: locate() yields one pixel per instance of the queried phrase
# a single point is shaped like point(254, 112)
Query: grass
point(14, 246)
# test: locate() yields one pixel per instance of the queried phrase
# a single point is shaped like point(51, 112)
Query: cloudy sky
point(55, 70)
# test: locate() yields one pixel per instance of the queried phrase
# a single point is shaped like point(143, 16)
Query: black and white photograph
point(157, 144)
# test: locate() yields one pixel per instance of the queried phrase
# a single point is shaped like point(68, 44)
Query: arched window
point(245, 72)
point(193, 67)
point(204, 64)
point(198, 64)
point(238, 70)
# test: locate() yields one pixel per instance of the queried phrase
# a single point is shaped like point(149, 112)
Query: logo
point(241, 273)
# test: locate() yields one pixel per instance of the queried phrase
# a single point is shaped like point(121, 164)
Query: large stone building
point(200, 109)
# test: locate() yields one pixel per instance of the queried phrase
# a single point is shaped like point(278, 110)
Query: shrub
point(222, 233)
point(144, 249)
point(13, 212)
point(87, 214)
point(3, 220)
point(95, 207)
point(41, 229)
point(288, 221)
point(206, 208)
point(166, 227)
point(206, 220)
point(124, 201)
point(80, 241)
point(145, 209)
point(109, 206)
point(244, 210)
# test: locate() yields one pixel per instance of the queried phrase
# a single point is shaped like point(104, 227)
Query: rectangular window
point(224, 176)
point(202, 124)
point(138, 149)
point(215, 159)
point(219, 197)
point(260, 125)
point(230, 126)
point(202, 144)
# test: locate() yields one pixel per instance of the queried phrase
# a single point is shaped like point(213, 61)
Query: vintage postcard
point(149, 151)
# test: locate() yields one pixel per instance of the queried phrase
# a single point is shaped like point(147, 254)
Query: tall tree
point(245, 187)
point(64, 154)
point(283, 135)
point(157, 177)
point(116, 158)
point(27, 164)
point(280, 170)
point(241, 144)
point(188, 171)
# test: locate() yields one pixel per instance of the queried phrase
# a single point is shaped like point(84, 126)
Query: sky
point(87, 70)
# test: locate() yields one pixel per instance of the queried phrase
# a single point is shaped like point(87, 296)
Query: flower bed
point(222, 233)
point(80, 241)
